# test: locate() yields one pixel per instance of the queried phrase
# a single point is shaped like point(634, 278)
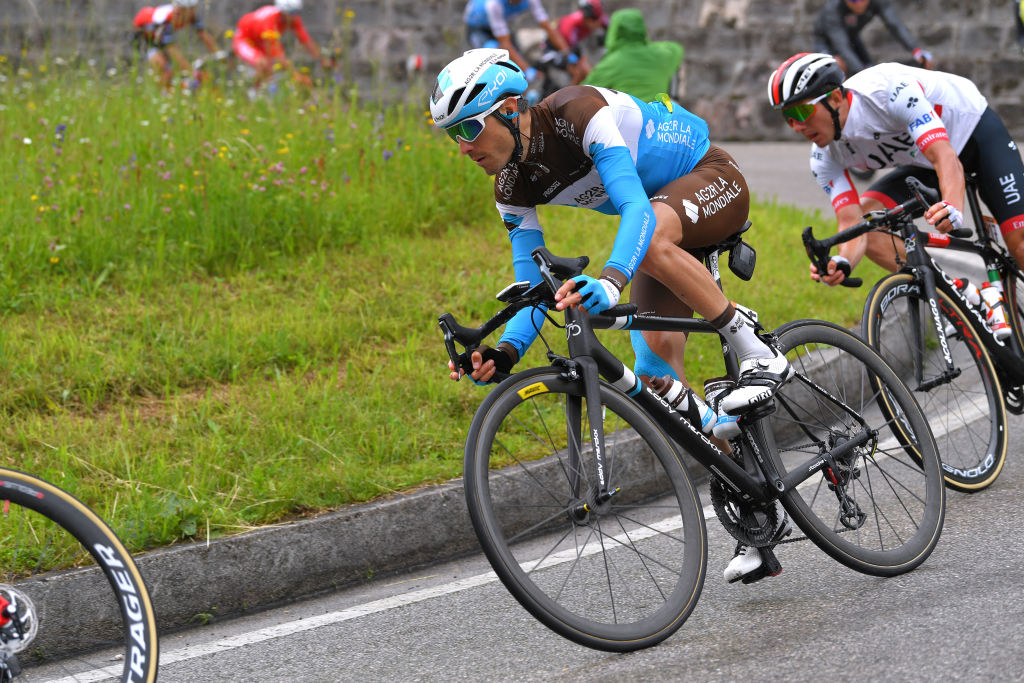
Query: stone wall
point(731, 45)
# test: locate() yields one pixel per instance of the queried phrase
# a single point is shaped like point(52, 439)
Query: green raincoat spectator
point(632, 63)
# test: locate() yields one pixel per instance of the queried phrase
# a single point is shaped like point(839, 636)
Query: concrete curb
point(254, 570)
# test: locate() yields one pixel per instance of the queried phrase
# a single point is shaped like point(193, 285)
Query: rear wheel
point(878, 507)
point(619, 572)
point(70, 620)
point(965, 408)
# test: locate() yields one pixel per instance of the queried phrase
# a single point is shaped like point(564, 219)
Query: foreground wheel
point(965, 409)
point(615, 573)
point(879, 507)
point(77, 605)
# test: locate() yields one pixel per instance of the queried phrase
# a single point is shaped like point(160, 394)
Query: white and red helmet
point(803, 76)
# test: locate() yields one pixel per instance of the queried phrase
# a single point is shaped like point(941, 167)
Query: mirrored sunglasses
point(802, 112)
point(467, 129)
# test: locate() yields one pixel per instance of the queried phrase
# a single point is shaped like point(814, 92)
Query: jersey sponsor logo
point(1009, 185)
point(641, 244)
point(692, 210)
point(591, 196)
point(567, 130)
point(551, 189)
point(672, 133)
point(716, 196)
point(931, 136)
point(895, 93)
point(507, 180)
point(886, 150)
point(649, 129)
point(920, 121)
point(911, 102)
point(491, 91)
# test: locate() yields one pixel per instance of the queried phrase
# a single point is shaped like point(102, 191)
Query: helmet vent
point(453, 101)
point(477, 89)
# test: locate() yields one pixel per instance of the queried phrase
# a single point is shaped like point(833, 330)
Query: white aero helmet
point(471, 87)
point(288, 6)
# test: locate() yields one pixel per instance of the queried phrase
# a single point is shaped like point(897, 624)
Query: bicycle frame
point(761, 485)
point(589, 360)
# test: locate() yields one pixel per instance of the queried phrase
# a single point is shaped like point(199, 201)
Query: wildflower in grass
point(27, 141)
point(54, 260)
point(387, 154)
point(303, 170)
point(127, 207)
point(59, 132)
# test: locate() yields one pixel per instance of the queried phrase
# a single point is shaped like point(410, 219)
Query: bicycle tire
point(626, 574)
point(893, 490)
point(86, 620)
point(973, 450)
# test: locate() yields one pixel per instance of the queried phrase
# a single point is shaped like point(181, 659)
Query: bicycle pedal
point(770, 566)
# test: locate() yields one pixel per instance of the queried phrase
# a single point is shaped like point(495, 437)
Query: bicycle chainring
point(748, 523)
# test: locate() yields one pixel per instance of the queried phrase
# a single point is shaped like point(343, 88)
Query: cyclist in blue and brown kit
point(650, 164)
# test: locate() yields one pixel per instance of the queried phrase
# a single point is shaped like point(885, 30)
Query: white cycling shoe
point(759, 379)
point(747, 564)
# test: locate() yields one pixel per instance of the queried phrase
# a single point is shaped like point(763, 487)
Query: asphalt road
point(957, 617)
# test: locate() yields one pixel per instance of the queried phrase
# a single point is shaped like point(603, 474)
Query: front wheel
point(64, 621)
point(964, 404)
point(878, 507)
point(615, 570)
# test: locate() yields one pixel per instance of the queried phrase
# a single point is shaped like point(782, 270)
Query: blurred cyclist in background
point(634, 64)
point(155, 27)
point(487, 26)
point(257, 40)
point(837, 32)
point(576, 27)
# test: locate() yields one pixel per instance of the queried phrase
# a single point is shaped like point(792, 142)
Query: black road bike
point(921, 322)
point(60, 618)
point(577, 489)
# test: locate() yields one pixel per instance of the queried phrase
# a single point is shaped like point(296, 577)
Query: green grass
point(219, 315)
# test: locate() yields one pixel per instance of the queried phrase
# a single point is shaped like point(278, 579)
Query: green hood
point(626, 27)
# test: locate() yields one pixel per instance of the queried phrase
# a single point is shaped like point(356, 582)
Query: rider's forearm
point(950, 172)
point(637, 221)
point(854, 250)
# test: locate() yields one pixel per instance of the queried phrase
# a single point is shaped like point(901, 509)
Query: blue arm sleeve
point(626, 192)
point(521, 330)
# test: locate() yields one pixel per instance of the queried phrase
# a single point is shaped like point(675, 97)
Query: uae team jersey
point(896, 112)
point(599, 149)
